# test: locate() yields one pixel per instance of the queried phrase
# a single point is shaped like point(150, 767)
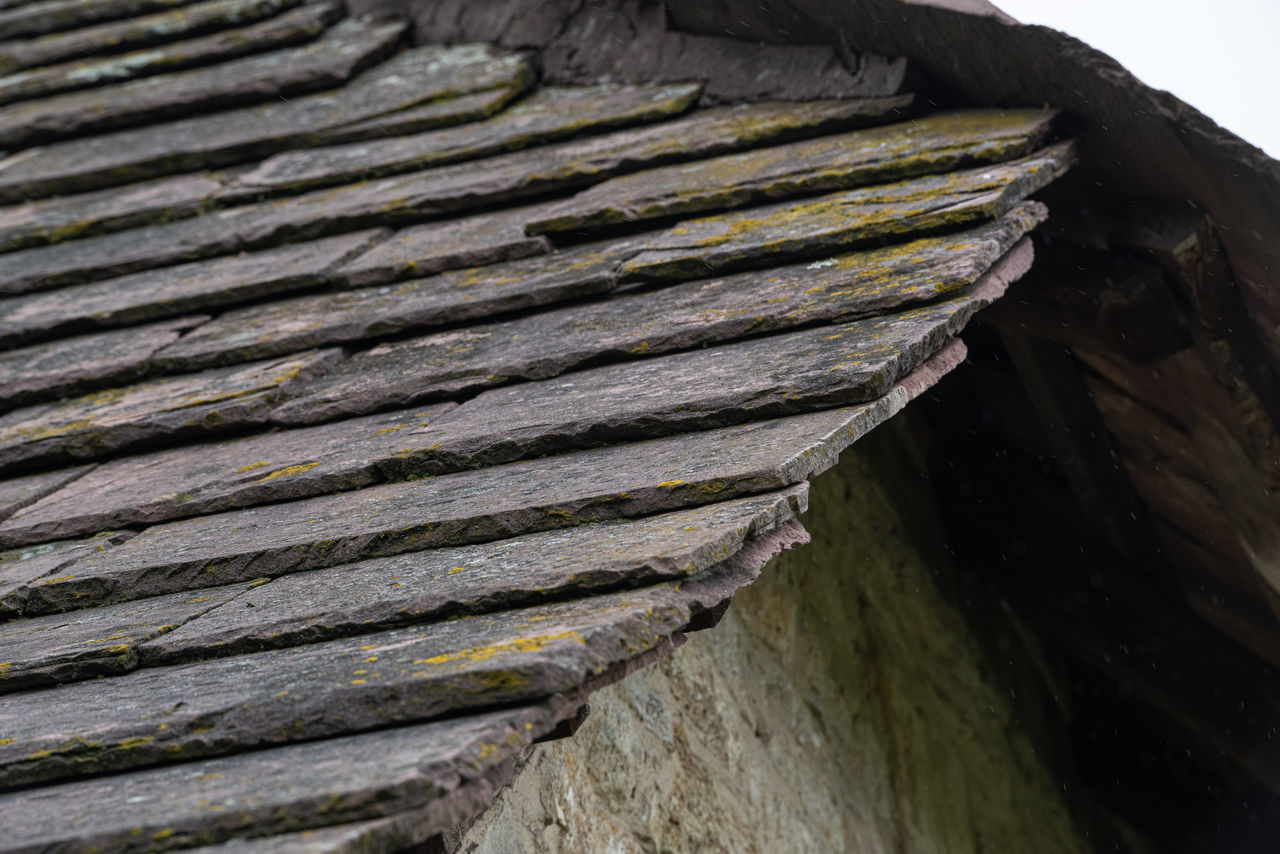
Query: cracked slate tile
point(479, 505)
point(931, 144)
point(298, 25)
point(95, 642)
point(758, 236)
point(167, 291)
point(199, 479)
point(19, 492)
point(115, 419)
point(346, 316)
point(137, 32)
point(31, 19)
point(340, 53)
point(426, 767)
point(21, 568)
point(697, 313)
point(410, 78)
point(445, 112)
point(74, 365)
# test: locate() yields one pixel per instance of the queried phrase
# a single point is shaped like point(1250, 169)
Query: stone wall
point(842, 705)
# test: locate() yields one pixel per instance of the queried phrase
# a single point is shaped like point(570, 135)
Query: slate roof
point(364, 407)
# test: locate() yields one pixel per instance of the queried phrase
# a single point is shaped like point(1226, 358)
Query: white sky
point(1220, 56)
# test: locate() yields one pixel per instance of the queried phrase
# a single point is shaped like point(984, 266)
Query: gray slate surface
point(20, 568)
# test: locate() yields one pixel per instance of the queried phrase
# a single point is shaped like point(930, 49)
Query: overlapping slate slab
point(548, 114)
point(95, 641)
point(400, 676)
point(30, 19)
point(686, 315)
point(346, 316)
point(174, 290)
point(340, 53)
point(756, 237)
point(937, 143)
point(445, 112)
point(137, 32)
point(410, 78)
point(19, 492)
point(299, 25)
point(426, 768)
point(206, 478)
point(479, 506)
point(21, 568)
point(94, 425)
point(74, 365)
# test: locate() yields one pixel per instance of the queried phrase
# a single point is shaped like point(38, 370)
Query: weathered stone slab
point(937, 143)
point(205, 478)
point(438, 583)
point(681, 316)
point(115, 419)
point(340, 53)
point(74, 365)
point(95, 641)
point(16, 493)
point(479, 506)
point(345, 316)
point(299, 25)
point(137, 32)
point(173, 290)
point(421, 768)
point(764, 235)
point(412, 77)
point(31, 19)
point(21, 568)
point(452, 110)
point(547, 115)
point(400, 676)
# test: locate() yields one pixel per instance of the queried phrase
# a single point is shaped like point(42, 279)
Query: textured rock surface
point(774, 233)
point(28, 19)
point(842, 704)
point(686, 315)
point(20, 568)
point(96, 424)
point(937, 143)
point(18, 492)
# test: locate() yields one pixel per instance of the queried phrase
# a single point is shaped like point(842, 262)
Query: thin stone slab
point(686, 315)
point(759, 236)
point(33, 19)
point(137, 32)
point(937, 143)
point(549, 114)
point(299, 25)
point(74, 365)
point(350, 316)
point(21, 568)
point(95, 641)
point(200, 479)
point(436, 584)
point(452, 110)
point(19, 492)
point(395, 677)
point(98, 424)
point(330, 60)
point(412, 77)
point(478, 506)
point(152, 294)
point(354, 778)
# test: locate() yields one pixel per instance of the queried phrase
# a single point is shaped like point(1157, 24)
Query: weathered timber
point(548, 114)
point(137, 32)
point(762, 236)
point(436, 584)
point(298, 25)
point(193, 480)
point(411, 78)
point(422, 768)
point(21, 568)
point(30, 19)
point(97, 424)
point(686, 315)
point(340, 53)
point(356, 315)
point(95, 641)
point(937, 143)
point(169, 291)
point(16, 493)
point(480, 506)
